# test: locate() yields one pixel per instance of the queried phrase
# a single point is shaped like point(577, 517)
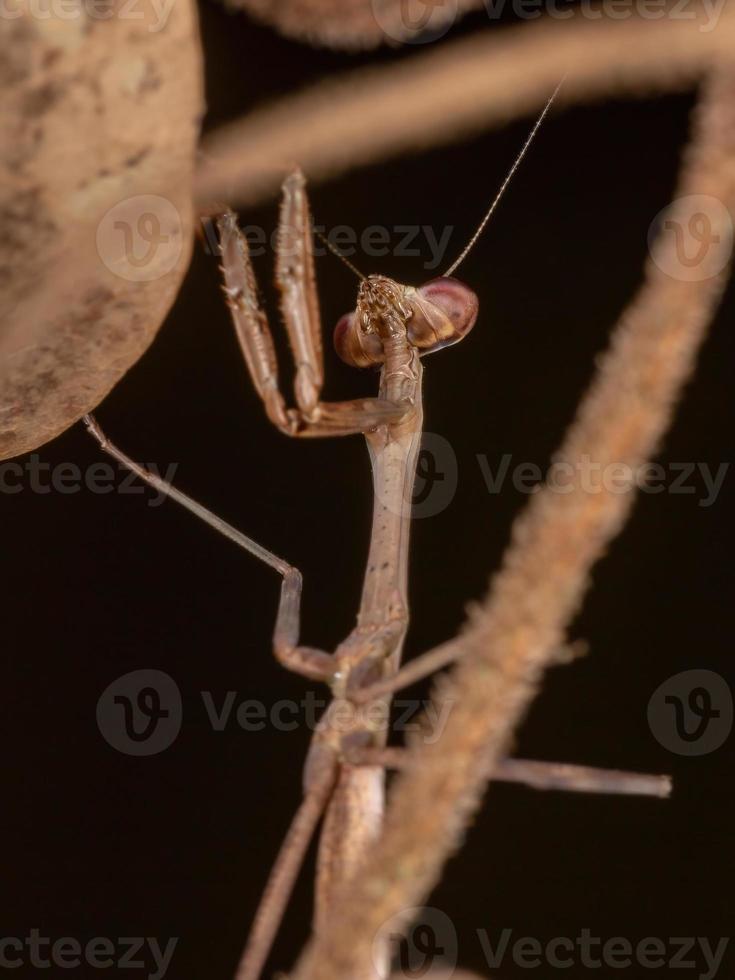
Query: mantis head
point(432, 316)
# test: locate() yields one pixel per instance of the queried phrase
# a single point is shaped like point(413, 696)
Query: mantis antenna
point(339, 255)
point(481, 227)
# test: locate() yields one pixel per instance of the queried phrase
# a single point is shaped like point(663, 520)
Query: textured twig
point(509, 638)
point(451, 90)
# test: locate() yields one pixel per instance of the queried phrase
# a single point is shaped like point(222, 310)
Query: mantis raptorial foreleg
point(296, 280)
point(295, 276)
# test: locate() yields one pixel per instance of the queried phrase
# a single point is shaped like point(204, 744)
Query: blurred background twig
point(448, 92)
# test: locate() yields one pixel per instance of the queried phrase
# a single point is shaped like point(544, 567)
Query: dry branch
point(450, 91)
point(509, 639)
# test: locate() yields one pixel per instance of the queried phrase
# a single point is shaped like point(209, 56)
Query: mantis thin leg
point(282, 877)
point(312, 663)
point(540, 775)
point(433, 660)
point(416, 670)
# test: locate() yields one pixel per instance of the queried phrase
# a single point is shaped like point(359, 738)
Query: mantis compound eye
point(354, 346)
point(444, 311)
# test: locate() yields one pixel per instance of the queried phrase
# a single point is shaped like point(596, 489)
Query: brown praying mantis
point(392, 327)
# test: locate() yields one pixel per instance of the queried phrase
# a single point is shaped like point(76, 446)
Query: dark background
point(97, 843)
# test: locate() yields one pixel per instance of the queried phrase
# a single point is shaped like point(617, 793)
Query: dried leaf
point(100, 110)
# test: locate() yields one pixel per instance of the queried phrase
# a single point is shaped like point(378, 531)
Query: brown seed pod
point(101, 116)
